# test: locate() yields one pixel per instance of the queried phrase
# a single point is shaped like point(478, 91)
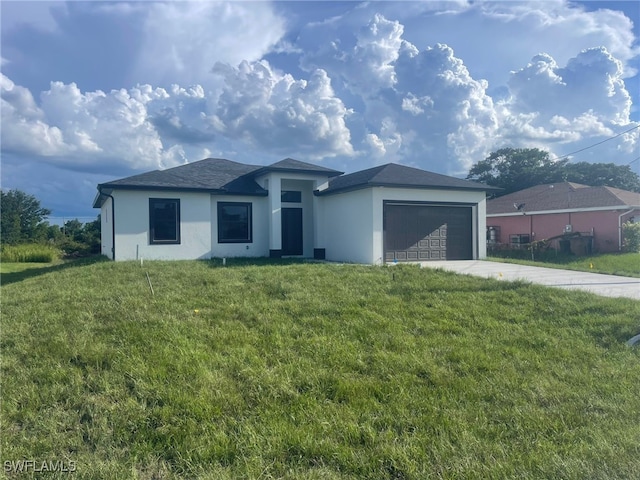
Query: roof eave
point(330, 191)
point(265, 170)
point(565, 210)
point(213, 191)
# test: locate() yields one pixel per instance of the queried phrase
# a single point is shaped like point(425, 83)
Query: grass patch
point(29, 253)
point(624, 264)
point(12, 267)
point(316, 371)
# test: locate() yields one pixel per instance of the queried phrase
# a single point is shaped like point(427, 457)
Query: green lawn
point(12, 267)
point(314, 371)
point(625, 264)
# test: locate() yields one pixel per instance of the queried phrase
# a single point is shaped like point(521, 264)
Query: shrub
point(631, 237)
point(29, 253)
point(72, 248)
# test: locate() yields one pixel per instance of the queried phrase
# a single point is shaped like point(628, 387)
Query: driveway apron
point(600, 284)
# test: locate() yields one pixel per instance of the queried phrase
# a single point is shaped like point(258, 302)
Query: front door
point(291, 231)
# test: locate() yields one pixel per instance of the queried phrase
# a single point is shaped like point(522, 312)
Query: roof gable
point(394, 175)
point(291, 165)
point(562, 196)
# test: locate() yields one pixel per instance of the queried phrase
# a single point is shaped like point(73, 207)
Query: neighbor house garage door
point(416, 232)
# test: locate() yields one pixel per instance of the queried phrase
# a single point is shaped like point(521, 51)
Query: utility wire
point(599, 143)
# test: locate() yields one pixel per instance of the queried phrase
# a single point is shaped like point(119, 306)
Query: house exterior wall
point(259, 247)
point(603, 223)
point(132, 226)
point(106, 230)
point(348, 225)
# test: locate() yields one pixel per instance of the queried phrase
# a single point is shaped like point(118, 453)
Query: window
point(519, 239)
point(291, 196)
point(164, 221)
point(234, 222)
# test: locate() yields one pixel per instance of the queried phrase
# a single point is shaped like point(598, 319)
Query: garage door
point(415, 232)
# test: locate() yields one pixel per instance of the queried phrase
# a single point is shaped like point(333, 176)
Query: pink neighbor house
point(545, 211)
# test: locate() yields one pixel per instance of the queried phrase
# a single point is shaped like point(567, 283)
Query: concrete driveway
point(600, 284)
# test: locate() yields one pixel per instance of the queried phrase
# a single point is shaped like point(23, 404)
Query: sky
point(96, 91)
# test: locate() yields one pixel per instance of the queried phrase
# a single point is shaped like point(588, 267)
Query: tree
point(516, 168)
point(596, 174)
point(73, 229)
point(22, 218)
point(80, 239)
point(91, 235)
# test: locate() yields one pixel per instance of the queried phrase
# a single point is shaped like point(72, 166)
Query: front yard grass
point(315, 371)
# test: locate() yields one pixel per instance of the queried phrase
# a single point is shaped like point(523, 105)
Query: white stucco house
point(220, 208)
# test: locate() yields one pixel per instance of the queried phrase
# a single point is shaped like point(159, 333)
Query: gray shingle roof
point(292, 165)
point(218, 175)
point(562, 196)
point(394, 175)
point(213, 174)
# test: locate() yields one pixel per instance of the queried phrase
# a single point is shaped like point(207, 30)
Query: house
point(592, 216)
point(220, 208)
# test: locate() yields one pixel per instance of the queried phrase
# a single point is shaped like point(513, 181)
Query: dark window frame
point(153, 222)
point(221, 226)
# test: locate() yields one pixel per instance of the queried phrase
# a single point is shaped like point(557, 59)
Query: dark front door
point(291, 231)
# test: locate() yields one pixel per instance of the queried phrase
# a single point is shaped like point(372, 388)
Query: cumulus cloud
point(23, 125)
point(551, 21)
point(365, 60)
point(149, 127)
point(445, 119)
point(385, 145)
point(366, 93)
point(183, 40)
point(94, 130)
point(594, 75)
point(278, 113)
point(438, 111)
point(574, 105)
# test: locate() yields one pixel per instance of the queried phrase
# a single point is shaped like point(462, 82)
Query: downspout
point(620, 227)
point(113, 224)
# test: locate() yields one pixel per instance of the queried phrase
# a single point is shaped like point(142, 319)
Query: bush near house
point(631, 237)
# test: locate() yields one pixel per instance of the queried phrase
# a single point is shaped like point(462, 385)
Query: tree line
point(23, 220)
point(514, 169)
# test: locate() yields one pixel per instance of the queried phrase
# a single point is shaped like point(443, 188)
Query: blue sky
point(94, 91)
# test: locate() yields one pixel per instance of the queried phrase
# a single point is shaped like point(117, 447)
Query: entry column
point(275, 220)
